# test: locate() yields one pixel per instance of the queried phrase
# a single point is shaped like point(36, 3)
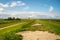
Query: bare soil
point(38, 35)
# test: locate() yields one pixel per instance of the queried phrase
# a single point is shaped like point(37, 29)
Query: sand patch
point(38, 35)
point(37, 24)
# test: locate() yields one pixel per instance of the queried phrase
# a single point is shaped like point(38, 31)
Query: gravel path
point(38, 35)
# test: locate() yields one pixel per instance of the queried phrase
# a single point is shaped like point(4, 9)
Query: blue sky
point(48, 8)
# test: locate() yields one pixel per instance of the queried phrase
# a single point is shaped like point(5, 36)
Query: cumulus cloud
point(17, 3)
point(4, 5)
point(13, 4)
point(51, 8)
point(25, 14)
point(35, 14)
point(32, 14)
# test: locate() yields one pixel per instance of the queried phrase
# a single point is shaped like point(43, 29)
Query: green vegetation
point(52, 26)
point(47, 25)
point(9, 21)
point(10, 33)
point(10, 36)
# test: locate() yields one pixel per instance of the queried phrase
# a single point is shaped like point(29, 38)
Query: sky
point(30, 8)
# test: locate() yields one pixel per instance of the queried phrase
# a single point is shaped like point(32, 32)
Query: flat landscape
point(29, 19)
point(30, 29)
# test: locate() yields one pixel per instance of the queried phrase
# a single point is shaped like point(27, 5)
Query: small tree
point(9, 18)
point(13, 18)
point(17, 18)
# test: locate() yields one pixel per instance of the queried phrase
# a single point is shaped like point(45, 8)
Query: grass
point(10, 36)
point(10, 33)
point(52, 26)
point(47, 25)
point(4, 23)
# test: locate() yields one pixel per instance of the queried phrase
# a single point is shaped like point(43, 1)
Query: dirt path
point(38, 35)
point(9, 26)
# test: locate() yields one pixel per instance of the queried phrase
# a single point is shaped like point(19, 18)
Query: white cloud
point(1, 9)
point(4, 5)
point(17, 3)
point(31, 14)
point(51, 8)
point(13, 4)
point(20, 3)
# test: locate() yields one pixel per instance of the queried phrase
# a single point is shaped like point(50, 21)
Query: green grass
point(5, 23)
point(10, 36)
point(52, 26)
point(47, 25)
point(10, 33)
